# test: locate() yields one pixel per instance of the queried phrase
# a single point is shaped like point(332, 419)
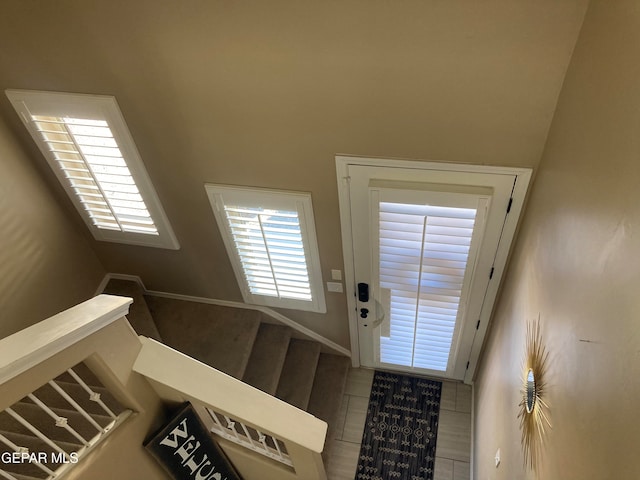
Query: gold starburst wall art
point(533, 411)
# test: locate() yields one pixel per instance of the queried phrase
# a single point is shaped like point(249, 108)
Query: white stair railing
point(264, 437)
point(20, 450)
point(241, 434)
point(237, 412)
point(43, 427)
point(93, 396)
point(59, 420)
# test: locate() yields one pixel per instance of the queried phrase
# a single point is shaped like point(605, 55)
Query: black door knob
point(364, 312)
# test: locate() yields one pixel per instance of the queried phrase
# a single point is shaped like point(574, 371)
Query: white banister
point(246, 440)
point(13, 446)
point(93, 396)
point(31, 361)
point(225, 397)
point(289, 440)
point(35, 431)
point(59, 421)
point(75, 405)
point(31, 346)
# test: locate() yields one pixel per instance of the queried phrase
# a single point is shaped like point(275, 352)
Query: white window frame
point(221, 195)
point(96, 107)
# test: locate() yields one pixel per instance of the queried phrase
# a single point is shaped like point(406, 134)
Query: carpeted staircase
point(241, 343)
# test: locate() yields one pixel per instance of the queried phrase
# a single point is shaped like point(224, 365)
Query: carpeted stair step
point(53, 399)
point(267, 357)
point(296, 380)
point(221, 337)
point(83, 372)
point(139, 316)
point(328, 389)
point(43, 422)
point(34, 445)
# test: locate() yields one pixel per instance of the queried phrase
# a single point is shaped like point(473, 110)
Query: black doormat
point(399, 439)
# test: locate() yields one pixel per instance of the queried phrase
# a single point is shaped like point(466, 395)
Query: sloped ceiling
point(265, 93)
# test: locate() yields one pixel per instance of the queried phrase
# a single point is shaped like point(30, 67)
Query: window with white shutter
point(424, 257)
point(87, 144)
point(270, 238)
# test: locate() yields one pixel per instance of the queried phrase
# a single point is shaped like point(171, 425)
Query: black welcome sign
point(185, 448)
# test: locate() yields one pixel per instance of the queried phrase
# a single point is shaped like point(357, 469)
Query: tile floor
point(453, 446)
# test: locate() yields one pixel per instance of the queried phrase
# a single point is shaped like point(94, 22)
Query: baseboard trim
point(266, 310)
point(472, 459)
point(283, 319)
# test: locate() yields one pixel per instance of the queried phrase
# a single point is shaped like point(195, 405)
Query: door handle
point(364, 312)
point(383, 310)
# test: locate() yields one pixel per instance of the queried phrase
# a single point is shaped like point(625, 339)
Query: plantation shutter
point(424, 258)
point(87, 154)
point(270, 247)
point(270, 238)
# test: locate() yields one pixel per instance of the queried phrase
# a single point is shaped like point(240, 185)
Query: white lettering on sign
point(171, 440)
point(187, 449)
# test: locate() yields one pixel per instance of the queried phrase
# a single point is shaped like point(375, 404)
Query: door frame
point(523, 178)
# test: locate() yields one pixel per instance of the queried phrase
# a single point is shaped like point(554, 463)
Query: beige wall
point(46, 264)
point(577, 266)
point(266, 93)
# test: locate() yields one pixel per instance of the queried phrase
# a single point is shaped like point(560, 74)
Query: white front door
point(424, 241)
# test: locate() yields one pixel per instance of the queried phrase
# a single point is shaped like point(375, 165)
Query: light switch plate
point(334, 287)
point(336, 274)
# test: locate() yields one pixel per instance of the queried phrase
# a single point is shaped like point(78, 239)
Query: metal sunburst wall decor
point(534, 412)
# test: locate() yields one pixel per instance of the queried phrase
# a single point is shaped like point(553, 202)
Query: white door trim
point(342, 168)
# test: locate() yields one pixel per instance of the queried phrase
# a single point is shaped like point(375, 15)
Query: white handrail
point(29, 347)
point(75, 333)
point(211, 388)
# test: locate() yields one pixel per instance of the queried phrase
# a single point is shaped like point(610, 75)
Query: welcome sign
point(185, 448)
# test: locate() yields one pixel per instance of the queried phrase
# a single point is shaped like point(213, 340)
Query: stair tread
point(69, 411)
point(84, 372)
point(53, 399)
point(296, 380)
point(139, 315)
point(267, 357)
point(44, 423)
point(34, 444)
point(221, 337)
point(328, 389)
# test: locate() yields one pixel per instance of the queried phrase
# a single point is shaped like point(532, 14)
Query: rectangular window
point(424, 255)
point(87, 144)
point(270, 238)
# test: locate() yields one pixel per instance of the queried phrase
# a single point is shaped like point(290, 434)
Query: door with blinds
point(425, 243)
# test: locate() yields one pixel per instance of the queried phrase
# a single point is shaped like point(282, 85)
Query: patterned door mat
point(399, 439)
